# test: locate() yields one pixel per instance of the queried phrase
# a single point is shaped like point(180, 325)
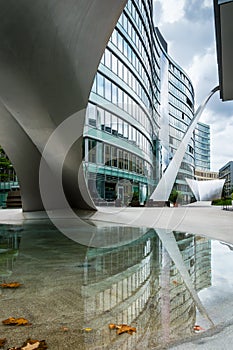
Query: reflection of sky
point(218, 299)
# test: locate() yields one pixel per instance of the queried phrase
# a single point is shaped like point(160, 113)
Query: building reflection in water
point(138, 284)
point(133, 283)
point(9, 245)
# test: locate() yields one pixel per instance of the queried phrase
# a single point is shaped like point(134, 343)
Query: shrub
point(226, 201)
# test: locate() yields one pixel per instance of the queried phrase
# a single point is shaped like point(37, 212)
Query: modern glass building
point(226, 172)
point(140, 105)
point(202, 147)
point(181, 111)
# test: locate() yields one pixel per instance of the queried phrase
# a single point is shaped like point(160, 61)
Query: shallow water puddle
point(167, 285)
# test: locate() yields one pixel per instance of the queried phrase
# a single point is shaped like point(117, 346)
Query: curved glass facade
point(140, 105)
point(181, 111)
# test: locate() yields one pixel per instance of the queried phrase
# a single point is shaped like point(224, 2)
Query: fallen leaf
point(31, 346)
point(112, 326)
point(41, 345)
point(122, 328)
point(87, 329)
point(10, 285)
point(16, 321)
point(125, 329)
point(2, 342)
point(175, 283)
point(198, 328)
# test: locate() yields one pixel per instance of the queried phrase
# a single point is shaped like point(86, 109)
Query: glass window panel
point(120, 42)
point(107, 58)
point(114, 94)
point(114, 64)
point(100, 118)
point(114, 125)
point(108, 122)
point(114, 37)
point(120, 127)
point(126, 160)
point(92, 151)
point(130, 162)
point(120, 69)
point(114, 156)
point(91, 115)
point(100, 84)
point(133, 163)
point(133, 135)
point(125, 48)
point(126, 130)
point(107, 152)
point(120, 159)
point(120, 98)
point(108, 90)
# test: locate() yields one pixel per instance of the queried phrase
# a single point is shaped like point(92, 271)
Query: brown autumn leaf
point(198, 328)
point(122, 328)
point(41, 346)
point(10, 285)
point(31, 344)
point(2, 342)
point(11, 321)
point(112, 326)
point(175, 283)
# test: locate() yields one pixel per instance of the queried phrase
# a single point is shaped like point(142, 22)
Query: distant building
point(202, 147)
point(202, 175)
point(226, 172)
point(202, 154)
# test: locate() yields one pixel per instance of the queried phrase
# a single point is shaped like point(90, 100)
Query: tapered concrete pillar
point(49, 54)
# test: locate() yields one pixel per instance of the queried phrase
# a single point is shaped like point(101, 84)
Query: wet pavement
point(163, 283)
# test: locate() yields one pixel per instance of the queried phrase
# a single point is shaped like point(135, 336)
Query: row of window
point(129, 28)
point(188, 158)
point(187, 167)
point(182, 106)
point(113, 93)
point(98, 118)
point(100, 153)
point(182, 177)
point(204, 142)
point(132, 53)
point(181, 76)
point(176, 142)
point(135, 28)
point(121, 70)
point(180, 95)
point(201, 150)
point(200, 157)
point(203, 128)
point(181, 87)
point(202, 164)
point(176, 133)
point(179, 114)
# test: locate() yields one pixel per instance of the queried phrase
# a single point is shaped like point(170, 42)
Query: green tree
point(6, 168)
point(174, 196)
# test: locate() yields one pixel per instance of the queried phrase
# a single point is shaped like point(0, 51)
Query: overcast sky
point(188, 28)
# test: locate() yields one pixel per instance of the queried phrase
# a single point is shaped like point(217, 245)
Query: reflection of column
point(165, 295)
point(165, 184)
